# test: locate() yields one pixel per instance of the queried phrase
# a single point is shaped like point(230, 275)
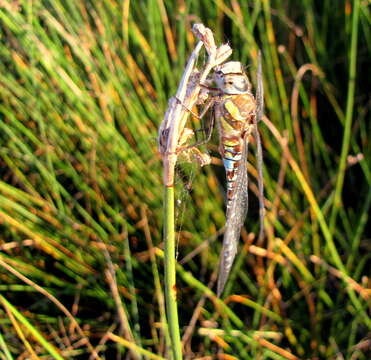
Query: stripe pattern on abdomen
point(231, 161)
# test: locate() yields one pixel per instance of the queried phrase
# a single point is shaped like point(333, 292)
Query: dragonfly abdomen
point(231, 158)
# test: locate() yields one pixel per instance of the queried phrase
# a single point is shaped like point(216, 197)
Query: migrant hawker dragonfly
point(236, 113)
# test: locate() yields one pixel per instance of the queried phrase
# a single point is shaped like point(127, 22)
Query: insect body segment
point(231, 159)
point(235, 117)
point(231, 79)
point(235, 112)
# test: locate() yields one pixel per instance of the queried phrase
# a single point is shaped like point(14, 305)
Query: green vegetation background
point(83, 89)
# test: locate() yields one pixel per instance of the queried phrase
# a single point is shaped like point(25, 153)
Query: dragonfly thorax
point(231, 78)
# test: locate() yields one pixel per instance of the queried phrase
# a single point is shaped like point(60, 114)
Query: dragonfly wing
point(236, 216)
point(259, 153)
point(259, 90)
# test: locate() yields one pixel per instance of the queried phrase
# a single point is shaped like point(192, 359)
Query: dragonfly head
point(231, 78)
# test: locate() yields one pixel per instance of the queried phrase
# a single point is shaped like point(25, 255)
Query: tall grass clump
point(83, 89)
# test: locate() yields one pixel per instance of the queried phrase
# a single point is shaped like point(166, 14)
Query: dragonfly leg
point(201, 142)
point(204, 110)
point(187, 108)
point(209, 104)
point(205, 131)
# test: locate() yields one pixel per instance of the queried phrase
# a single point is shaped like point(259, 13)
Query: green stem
point(48, 346)
point(348, 115)
point(170, 273)
point(3, 346)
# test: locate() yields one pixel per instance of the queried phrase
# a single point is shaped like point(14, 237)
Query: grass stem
point(170, 273)
point(348, 115)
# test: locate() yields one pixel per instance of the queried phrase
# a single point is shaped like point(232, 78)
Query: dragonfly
point(236, 112)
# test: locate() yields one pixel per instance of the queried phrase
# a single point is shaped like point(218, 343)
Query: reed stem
point(170, 273)
point(348, 116)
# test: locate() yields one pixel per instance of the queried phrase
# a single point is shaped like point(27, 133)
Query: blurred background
point(83, 88)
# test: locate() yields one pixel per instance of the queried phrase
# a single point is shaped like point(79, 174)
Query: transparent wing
point(259, 90)
point(259, 153)
point(236, 216)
